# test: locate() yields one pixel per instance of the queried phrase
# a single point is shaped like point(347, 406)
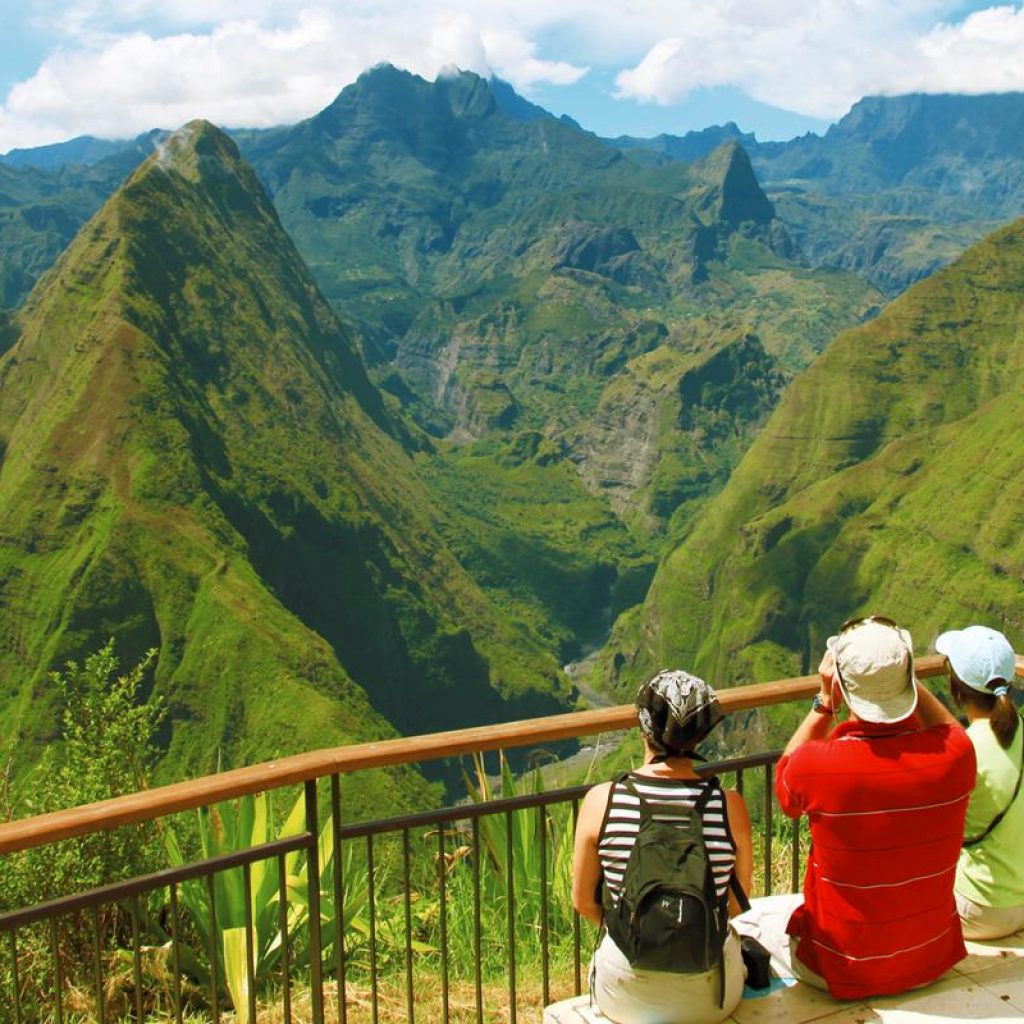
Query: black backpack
point(669, 916)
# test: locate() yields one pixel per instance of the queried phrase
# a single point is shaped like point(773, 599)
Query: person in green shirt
point(989, 884)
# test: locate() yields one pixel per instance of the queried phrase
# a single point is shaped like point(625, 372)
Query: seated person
point(990, 874)
point(886, 793)
point(675, 711)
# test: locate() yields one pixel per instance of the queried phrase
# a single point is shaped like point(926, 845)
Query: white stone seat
point(987, 985)
point(574, 1011)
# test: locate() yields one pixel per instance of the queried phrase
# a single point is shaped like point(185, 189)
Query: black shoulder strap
point(711, 786)
point(627, 784)
point(737, 889)
point(974, 840)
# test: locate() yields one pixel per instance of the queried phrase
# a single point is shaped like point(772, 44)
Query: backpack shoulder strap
point(711, 786)
point(628, 785)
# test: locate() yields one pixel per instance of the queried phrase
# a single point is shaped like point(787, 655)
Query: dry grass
point(391, 1003)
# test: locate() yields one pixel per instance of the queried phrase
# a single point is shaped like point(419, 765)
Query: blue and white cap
point(978, 655)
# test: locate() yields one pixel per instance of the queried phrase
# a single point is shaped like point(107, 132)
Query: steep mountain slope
point(887, 480)
point(193, 457)
point(507, 270)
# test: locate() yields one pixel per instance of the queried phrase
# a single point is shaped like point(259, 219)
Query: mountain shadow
point(194, 458)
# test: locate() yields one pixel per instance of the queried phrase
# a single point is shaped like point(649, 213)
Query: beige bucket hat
point(875, 665)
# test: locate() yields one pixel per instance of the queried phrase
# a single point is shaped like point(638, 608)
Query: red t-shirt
point(886, 805)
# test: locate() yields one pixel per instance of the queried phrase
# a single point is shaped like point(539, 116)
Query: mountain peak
point(406, 103)
point(735, 194)
point(193, 145)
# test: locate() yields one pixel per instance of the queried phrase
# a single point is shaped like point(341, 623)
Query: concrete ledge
point(987, 985)
point(573, 1011)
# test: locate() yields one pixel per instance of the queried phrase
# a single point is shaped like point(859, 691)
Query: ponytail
point(1004, 718)
point(997, 706)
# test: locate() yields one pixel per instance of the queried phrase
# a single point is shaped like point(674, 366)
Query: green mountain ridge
point(887, 480)
point(543, 361)
point(194, 458)
point(506, 271)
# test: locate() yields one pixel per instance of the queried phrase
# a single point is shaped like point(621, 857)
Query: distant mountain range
point(894, 190)
point(373, 422)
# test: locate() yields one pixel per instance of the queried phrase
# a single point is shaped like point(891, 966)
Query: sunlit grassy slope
point(887, 480)
point(194, 458)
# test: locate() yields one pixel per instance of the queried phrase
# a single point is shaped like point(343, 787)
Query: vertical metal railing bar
point(250, 948)
point(176, 951)
point(510, 896)
point(410, 1010)
point(15, 981)
point(58, 979)
point(478, 969)
point(137, 890)
point(739, 781)
point(137, 958)
point(576, 936)
point(316, 977)
point(442, 869)
point(97, 967)
point(214, 980)
point(542, 821)
point(372, 910)
point(282, 917)
point(339, 898)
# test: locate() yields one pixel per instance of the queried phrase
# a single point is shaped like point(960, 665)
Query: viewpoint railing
point(402, 918)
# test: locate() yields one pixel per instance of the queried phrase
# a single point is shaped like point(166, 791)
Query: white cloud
point(246, 72)
point(818, 58)
point(122, 66)
point(985, 53)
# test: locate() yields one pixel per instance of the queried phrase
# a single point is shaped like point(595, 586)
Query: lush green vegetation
point(194, 458)
point(887, 480)
point(461, 895)
point(552, 357)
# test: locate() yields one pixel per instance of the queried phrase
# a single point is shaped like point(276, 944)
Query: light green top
point(991, 873)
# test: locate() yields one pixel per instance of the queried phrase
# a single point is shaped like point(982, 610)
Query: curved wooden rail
point(182, 796)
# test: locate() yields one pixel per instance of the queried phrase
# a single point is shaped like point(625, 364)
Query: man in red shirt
point(886, 793)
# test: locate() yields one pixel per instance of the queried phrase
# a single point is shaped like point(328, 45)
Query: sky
point(115, 68)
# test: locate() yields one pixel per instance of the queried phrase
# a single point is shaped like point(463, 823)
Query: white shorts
point(629, 996)
point(981, 922)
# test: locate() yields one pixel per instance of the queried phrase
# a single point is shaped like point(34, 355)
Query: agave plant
point(520, 833)
point(225, 828)
point(241, 824)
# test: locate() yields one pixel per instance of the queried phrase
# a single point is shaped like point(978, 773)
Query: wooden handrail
point(182, 796)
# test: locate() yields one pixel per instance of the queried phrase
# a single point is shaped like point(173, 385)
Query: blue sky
point(114, 68)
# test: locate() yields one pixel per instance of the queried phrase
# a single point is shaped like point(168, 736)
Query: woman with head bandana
point(675, 711)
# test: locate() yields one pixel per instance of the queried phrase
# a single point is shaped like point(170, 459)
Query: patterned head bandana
point(676, 711)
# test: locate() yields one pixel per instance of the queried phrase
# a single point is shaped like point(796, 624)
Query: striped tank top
point(669, 800)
